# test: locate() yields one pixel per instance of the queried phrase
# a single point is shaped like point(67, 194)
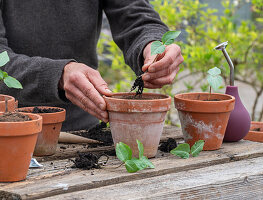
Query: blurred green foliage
point(202, 29)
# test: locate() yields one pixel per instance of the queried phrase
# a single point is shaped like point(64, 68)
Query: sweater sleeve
point(134, 24)
point(39, 76)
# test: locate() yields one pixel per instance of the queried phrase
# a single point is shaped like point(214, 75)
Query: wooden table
point(233, 172)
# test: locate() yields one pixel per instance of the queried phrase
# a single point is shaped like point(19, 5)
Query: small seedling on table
point(157, 48)
point(214, 79)
point(8, 80)
point(124, 154)
point(184, 150)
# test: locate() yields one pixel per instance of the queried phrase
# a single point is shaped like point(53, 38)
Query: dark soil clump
point(46, 110)
point(87, 161)
point(169, 145)
point(256, 129)
point(14, 117)
point(138, 83)
point(100, 132)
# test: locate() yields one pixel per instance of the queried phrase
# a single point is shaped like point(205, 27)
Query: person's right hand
point(83, 87)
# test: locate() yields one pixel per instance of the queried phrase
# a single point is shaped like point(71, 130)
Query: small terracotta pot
point(17, 143)
point(48, 139)
point(132, 119)
point(204, 120)
point(11, 103)
point(256, 136)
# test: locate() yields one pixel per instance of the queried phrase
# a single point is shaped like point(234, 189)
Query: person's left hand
point(164, 70)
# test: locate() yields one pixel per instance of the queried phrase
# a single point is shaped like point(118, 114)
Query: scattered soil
point(9, 196)
point(46, 110)
point(14, 117)
point(138, 83)
point(256, 129)
point(88, 161)
point(140, 97)
point(168, 145)
point(100, 132)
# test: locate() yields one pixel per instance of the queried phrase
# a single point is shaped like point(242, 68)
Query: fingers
point(79, 99)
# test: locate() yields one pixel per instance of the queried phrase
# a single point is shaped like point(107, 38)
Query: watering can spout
point(222, 47)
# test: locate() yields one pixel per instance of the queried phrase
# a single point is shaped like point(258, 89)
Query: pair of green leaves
point(8, 80)
point(184, 151)
point(124, 153)
point(158, 47)
point(214, 79)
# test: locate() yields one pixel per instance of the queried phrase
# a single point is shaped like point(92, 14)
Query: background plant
point(202, 28)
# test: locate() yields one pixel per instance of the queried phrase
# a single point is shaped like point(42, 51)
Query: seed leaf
point(197, 148)
point(215, 81)
point(12, 82)
point(134, 165)
point(169, 37)
point(182, 150)
point(214, 71)
point(157, 47)
point(123, 152)
point(147, 162)
point(141, 149)
point(1, 74)
point(4, 58)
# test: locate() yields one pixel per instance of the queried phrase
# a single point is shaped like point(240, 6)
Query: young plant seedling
point(8, 80)
point(124, 154)
point(157, 48)
point(214, 79)
point(184, 150)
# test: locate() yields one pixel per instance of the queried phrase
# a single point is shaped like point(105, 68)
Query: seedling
point(157, 48)
point(184, 150)
point(8, 80)
point(214, 79)
point(124, 154)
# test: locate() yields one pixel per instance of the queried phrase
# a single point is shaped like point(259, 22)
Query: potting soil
point(14, 117)
point(168, 145)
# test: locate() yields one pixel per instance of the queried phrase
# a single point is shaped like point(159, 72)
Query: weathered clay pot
point(17, 143)
point(48, 138)
point(143, 119)
point(256, 136)
point(11, 103)
point(204, 120)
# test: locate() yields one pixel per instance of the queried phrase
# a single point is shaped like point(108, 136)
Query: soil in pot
point(52, 122)
point(14, 117)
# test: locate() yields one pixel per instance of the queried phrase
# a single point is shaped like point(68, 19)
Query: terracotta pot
point(48, 138)
point(256, 136)
point(11, 103)
point(17, 143)
point(132, 119)
point(204, 120)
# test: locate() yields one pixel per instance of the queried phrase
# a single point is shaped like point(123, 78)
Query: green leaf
point(182, 150)
point(141, 149)
point(214, 81)
point(134, 165)
point(4, 58)
point(169, 37)
point(147, 162)
point(123, 152)
point(214, 71)
point(1, 74)
point(12, 82)
point(197, 148)
point(157, 47)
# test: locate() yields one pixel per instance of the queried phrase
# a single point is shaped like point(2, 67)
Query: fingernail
point(146, 77)
point(102, 106)
point(108, 90)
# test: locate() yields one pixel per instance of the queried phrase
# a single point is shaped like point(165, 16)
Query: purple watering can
point(239, 120)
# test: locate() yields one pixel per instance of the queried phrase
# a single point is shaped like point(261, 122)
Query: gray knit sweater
point(42, 36)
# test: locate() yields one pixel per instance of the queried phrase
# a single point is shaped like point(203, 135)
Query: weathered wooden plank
point(65, 151)
point(235, 180)
point(51, 181)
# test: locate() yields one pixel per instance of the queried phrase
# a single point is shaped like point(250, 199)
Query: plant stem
point(210, 90)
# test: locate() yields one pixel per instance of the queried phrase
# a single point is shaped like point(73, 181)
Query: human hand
point(164, 70)
point(83, 87)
